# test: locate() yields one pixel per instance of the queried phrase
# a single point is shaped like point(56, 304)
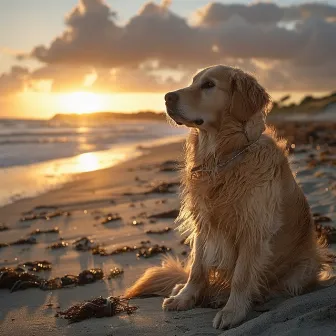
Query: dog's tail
point(160, 280)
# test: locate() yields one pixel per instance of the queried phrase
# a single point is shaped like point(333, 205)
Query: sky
point(123, 55)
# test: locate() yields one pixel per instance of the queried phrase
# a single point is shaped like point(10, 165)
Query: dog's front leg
point(187, 297)
point(247, 278)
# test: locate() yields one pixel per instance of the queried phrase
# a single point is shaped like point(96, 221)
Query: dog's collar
point(199, 169)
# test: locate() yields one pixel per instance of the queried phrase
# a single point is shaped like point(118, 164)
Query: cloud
point(310, 10)
point(216, 13)
point(63, 78)
point(93, 38)
point(13, 81)
point(262, 13)
point(137, 80)
point(133, 56)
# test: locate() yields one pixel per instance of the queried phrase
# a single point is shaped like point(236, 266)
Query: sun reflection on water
point(88, 162)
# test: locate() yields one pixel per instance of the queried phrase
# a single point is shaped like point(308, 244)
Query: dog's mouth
point(181, 120)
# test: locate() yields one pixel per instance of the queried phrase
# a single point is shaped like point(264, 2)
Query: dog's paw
point(227, 318)
point(179, 302)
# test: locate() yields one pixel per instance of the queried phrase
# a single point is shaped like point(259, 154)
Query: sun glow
point(88, 162)
point(82, 102)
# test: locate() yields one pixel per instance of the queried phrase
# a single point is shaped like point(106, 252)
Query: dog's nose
point(171, 98)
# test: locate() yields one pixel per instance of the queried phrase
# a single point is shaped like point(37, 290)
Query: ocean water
point(37, 155)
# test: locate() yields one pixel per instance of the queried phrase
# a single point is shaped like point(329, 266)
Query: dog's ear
point(248, 97)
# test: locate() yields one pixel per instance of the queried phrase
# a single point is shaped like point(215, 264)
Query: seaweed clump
point(84, 244)
point(166, 214)
point(42, 215)
point(22, 241)
point(19, 279)
point(98, 307)
point(163, 188)
point(39, 231)
point(147, 252)
point(165, 230)
point(35, 266)
point(144, 250)
point(3, 227)
point(58, 245)
point(115, 272)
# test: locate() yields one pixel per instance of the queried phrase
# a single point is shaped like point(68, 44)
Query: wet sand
point(119, 210)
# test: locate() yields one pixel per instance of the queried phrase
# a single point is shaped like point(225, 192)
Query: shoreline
point(53, 174)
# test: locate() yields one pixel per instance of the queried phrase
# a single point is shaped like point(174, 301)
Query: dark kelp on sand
point(34, 266)
point(3, 227)
point(144, 250)
point(58, 245)
point(151, 251)
point(163, 188)
point(39, 231)
point(31, 216)
point(115, 272)
point(98, 307)
point(16, 279)
point(22, 241)
point(162, 231)
point(166, 214)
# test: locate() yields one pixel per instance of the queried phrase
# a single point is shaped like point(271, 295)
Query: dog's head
point(217, 95)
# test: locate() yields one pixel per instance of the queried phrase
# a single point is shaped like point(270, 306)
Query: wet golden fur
point(249, 223)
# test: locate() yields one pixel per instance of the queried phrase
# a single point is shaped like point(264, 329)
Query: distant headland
point(307, 105)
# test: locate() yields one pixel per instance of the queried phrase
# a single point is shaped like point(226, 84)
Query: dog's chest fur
point(215, 205)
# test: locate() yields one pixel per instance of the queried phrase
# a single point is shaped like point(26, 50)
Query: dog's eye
point(207, 85)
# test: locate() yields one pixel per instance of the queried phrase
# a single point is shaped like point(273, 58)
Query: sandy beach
point(133, 204)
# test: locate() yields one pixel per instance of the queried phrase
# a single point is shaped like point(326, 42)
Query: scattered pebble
point(136, 223)
point(111, 218)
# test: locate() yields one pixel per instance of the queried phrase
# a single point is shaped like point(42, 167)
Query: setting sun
point(82, 102)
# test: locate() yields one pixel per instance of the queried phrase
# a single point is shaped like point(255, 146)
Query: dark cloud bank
point(288, 48)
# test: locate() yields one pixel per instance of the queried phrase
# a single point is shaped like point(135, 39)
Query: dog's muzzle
point(172, 99)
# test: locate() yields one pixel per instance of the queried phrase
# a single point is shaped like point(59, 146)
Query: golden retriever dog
point(249, 223)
